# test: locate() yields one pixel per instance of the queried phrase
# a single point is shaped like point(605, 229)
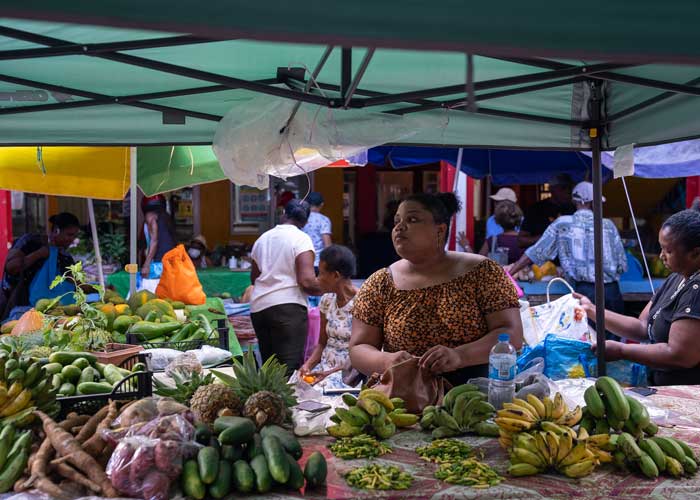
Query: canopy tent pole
point(595, 133)
point(133, 199)
point(96, 243)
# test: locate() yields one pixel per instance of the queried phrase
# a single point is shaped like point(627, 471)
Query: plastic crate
point(186, 345)
point(136, 386)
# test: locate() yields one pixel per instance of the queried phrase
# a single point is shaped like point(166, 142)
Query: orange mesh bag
point(179, 280)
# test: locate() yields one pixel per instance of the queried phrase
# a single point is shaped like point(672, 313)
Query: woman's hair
point(339, 258)
point(508, 215)
point(685, 227)
point(297, 211)
point(442, 205)
point(64, 220)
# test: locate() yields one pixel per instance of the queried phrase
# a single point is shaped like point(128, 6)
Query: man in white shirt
point(283, 275)
point(318, 226)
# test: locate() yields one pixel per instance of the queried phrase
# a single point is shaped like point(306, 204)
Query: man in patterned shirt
point(570, 237)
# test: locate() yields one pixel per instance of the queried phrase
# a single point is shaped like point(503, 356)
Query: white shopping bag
point(563, 317)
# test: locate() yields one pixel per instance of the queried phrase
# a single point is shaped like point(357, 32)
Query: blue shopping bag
point(40, 288)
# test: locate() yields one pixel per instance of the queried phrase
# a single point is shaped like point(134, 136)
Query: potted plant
point(83, 326)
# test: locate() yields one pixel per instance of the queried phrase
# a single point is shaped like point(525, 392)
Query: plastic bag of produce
point(210, 356)
point(179, 280)
point(563, 317)
point(563, 357)
point(184, 365)
point(161, 358)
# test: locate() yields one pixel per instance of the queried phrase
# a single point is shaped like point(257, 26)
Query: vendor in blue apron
point(570, 238)
point(159, 230)
point(28, 255)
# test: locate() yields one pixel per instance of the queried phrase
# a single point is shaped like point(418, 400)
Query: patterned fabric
point(570, 238)
point(450, 314)
point(338, 329)
point(317, 225)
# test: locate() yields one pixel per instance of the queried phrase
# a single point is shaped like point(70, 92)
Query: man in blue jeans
point(570, 237)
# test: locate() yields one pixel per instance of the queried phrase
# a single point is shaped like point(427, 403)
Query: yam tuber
point(71, 474)
point(38, 478)
point(96, 443)
point(67, 445)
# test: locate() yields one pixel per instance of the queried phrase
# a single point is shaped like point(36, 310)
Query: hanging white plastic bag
point(256, 139)
point(563, 317)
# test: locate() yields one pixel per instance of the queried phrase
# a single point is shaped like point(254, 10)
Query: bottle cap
point(504, 337)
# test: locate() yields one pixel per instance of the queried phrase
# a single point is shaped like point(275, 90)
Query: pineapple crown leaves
point(248, 379)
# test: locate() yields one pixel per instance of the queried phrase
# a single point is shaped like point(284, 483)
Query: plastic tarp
point(95, 85)
point(679, 159)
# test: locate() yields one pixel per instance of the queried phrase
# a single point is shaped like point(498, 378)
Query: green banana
point(356, 418)
point(628, 445)
point(638, 413)
point(615, 401)
point(594, 403)
point(655, 452)
point(686, 449)
point(648, 466)
point(670, 447)
point(449, 399)
point(444, 432)
point(444, 419)
point(349, 399)
point(651, 430)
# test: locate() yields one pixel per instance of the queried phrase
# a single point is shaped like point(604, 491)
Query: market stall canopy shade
point(86, 84)
point(84, 172)
point(609, 29)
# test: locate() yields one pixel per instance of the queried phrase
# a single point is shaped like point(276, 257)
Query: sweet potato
point(143, 462)
point(168, 457)
point(119, 466)
point(156, 486)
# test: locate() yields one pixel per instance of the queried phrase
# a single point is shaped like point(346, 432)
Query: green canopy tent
point(83, 84)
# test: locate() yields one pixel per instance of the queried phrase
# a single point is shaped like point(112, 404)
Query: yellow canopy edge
point(85, 172)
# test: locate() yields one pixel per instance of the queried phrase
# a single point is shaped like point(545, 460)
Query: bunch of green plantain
point(609, 409)
point(464, 409)
point(654, 455)
point(24, 387)
point(373, 412)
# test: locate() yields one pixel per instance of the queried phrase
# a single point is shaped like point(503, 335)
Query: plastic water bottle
point(502, 367)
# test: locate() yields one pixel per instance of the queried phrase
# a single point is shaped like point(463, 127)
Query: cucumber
point(289, 441)
point(231, 453)
point(66, 389)
point(95, 388)
point(89, 374)
point(138, 367)
point(254, 447)
point(208, 463)
point(296, 476)
point(243, 477)
point(81, 363)
point(70, 374)
point(222, 485)
point(56, 381)
point(192, 484)
point(67, 357)
point(263, 479)
point(276, 459)
point(202, 434)
point(100, 367)
point(53, 368)
point(112, 374)
point(316, 469)
point(239, 433)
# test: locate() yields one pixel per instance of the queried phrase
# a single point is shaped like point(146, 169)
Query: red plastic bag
point(179, 280)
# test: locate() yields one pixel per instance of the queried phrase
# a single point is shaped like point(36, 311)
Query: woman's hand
point(613, 350)
point(394, 358)
point(441, 359)
point(586, 303)
point(306, 368)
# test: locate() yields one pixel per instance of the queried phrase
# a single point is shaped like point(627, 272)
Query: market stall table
point(604, 483)
point(215, 281)
point(632, 290)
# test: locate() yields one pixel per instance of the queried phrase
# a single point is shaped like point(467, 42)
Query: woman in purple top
point(509, 216)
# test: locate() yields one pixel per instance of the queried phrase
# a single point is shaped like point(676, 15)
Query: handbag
point(417, 386)
point(40, 288)
point(179, 279)
point(563, 317)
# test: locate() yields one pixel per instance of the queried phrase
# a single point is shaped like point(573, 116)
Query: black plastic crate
point(186, 345)
point(136, 386)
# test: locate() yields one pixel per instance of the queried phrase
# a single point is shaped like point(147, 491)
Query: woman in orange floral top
point(447, 308)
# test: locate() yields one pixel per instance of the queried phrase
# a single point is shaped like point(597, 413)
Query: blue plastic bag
point(569, 358)
point(40, 288)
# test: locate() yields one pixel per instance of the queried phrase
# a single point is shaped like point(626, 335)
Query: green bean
point(379, 477)
point(469, 472)
point(362, 446)
point(445, 451)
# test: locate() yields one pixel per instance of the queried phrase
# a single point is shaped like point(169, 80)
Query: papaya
point(122, 323)
point(123, 309)
point(42, 305)
point(7, 327)
point(145, 309)
point(71, 310)
point(111, 313)
point(140, 298)
point(113, 297)
point(164, 307)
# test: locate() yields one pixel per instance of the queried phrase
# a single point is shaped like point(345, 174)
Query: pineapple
point(249, 380)
point(208, 400)
point(185, 386)
point(265, 408)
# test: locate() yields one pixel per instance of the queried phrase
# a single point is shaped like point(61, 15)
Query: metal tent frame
point(291, 83)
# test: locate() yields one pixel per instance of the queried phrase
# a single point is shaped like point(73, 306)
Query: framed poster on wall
point(249, 209)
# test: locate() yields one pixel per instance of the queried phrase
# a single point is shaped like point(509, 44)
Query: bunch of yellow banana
point(464, 409)
point(535, 413)
point(655, 455)
point(371, 413)
point(537, 451)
